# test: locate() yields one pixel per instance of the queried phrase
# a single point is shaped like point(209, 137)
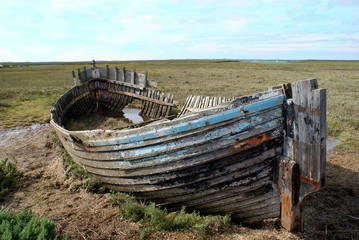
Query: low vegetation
point(74, 170)
point(8, 175)
point(25, 226)
point(153, 218)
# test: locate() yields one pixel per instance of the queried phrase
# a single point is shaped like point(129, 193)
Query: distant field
point(28, 93)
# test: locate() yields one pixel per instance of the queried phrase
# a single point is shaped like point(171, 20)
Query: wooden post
point(146, 75)
point(124, 74)
point(116, 73)
point(291, 211)
point(133, 76)
point(107, 72)
point(74, 76)
point(85, 74)
point(93, 63)
point(304, 149)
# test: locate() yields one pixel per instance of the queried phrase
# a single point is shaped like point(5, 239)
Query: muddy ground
point(333, 213)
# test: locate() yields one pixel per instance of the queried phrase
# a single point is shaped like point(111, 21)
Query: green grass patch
point(26, 226)
point(153, 219)
point(8, 175)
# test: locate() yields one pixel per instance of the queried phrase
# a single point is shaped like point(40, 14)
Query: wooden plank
point(160, 108)
point(156, 105)
point(304, 147)
point(146, 76)
point(133, 76)
point(124, 74)
point(107, 72)
point(197, 145)
point(168, 110)
point(74, 77)
point(116, 73)
point(150, 103)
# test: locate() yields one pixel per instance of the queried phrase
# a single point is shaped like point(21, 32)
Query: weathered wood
point(246, 157)
point(291, 211)
point(133, 76)
point(74, 77)
point(304, 145)
point(124, 74)
point(197, 103)
point(146, 76)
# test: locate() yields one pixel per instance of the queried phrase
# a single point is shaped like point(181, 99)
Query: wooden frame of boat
point(254, 157)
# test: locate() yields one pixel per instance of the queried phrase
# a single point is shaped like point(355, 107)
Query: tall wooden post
point(303, 164)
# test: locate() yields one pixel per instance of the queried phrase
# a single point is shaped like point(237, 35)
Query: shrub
point(153, 218)
point(25, 225)
point(8, 175)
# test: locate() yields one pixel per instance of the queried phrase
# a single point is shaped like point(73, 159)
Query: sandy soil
point(333, 213)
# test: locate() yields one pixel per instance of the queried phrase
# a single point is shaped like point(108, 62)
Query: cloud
point(9, 56)
point(114, 38)
point(172, 39)
point(59, 3)
point(146, 22)
point(88, 53)
point(235, 24)
point(60, 35)
point(281, 43)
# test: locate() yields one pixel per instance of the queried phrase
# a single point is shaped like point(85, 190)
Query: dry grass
point(27, 95)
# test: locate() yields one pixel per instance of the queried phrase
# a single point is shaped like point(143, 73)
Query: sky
point(82, 30)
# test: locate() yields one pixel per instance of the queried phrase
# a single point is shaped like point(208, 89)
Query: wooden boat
point(254, 157)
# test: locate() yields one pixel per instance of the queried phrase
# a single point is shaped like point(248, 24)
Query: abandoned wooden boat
point(254, 157)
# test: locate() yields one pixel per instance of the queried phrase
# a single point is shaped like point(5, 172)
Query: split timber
point(254, 157)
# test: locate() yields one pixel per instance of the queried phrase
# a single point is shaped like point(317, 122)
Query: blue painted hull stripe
point(194, 124)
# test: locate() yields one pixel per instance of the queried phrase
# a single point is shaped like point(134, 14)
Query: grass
point(28, 93)
point(72, 169)
point(153, 219)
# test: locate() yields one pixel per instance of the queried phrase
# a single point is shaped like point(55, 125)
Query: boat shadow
point(333, 212)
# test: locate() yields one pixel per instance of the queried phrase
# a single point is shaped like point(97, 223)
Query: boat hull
point(220, 160)
point(254, 157)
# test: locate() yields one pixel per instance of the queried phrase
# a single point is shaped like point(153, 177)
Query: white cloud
point(148, 22)
point(114, 37)
point(172, 39)
point(206, 47)
point(60, 35)
point(235, 24)
point(37, 50)
point(6, 56)
point(59, 3)
point(99, 54)
point(278, 43)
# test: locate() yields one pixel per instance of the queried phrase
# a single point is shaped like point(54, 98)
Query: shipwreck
point(253, 157)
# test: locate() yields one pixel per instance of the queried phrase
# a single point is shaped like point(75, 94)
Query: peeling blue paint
point(195, 124)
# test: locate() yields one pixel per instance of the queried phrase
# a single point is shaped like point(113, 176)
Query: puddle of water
point(133, 114)
point(332, 142)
